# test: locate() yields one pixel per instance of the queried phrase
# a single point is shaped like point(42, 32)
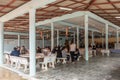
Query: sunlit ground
point(9, 75)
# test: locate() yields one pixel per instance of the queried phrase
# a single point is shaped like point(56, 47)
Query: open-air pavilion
point(43, 23)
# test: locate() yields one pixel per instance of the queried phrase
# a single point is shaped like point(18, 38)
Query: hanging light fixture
point(41, 34)
point(47, 36)
point(67, 32)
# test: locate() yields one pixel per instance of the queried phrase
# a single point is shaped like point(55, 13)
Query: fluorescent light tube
point(117, 17)
point(63, 8)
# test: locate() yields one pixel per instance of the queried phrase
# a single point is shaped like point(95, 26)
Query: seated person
point(94, 47)
point(23, 50)
point(94, 50)
point(65, 54)
point(15, 52)
point(58, 50)
point(77, 54)
point(38, 49)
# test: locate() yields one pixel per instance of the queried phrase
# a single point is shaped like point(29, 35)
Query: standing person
point(72, 50)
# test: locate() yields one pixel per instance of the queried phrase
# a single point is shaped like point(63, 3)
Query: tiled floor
point(98, 68)
point(9, 75)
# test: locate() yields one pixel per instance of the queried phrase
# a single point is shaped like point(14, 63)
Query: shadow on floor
point(115, 74)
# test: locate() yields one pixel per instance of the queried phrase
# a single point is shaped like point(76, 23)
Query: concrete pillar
point(102, 38)
point(43, 39)
point(117, 36)
point(19, 40)
point(57, 37)
point(1, 42)
point(78, 37)
point(52, 36)
point(86, 37)
point(106, 26)
point(92, 38)
point(32, 41)
point(74, 36)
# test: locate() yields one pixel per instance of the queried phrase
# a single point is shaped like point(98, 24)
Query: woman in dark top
point(94, 48)
point(38, 49)
point(59, 53)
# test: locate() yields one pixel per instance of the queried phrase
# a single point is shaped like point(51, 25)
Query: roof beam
point(48, 27)
point(15, 33)
point(64, 17)
point(94, 16)
point(74, 25)
point(25, 9)
point(76, 14)
point(18, 33)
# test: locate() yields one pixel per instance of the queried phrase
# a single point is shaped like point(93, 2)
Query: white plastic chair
point(23, 61)
point(48, 59)
point(14, 59)
point(52, 60)
point(105, 52)
point(7, 58)
point(90, 53)
point(45, 62)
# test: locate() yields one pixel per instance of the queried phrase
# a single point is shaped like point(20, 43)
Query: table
point(38, 55)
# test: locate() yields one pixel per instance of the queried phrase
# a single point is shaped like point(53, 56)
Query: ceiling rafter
point(11, 2)
point(90, 4)
point(113, 5)
point(106, 13)
point(8, 6)
point(103, 9)
point(103, 3)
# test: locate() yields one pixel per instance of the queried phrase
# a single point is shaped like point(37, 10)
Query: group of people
point(46, 51)
point(22, 50)
point(68, 51)
point(19, 51)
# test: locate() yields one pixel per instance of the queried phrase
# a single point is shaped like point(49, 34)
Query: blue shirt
point(15, 53)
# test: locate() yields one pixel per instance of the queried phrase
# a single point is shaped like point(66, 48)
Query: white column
point(52, 36)
point(57, 37)
point(43, 39)
point(78, 37)
point(74, 37)
point(92, 38)
point(19, 40)
point(32, 41)
point(106, 25)
point(117, 35)
point(1, 42)
point(102, 39)
point(86, 37)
